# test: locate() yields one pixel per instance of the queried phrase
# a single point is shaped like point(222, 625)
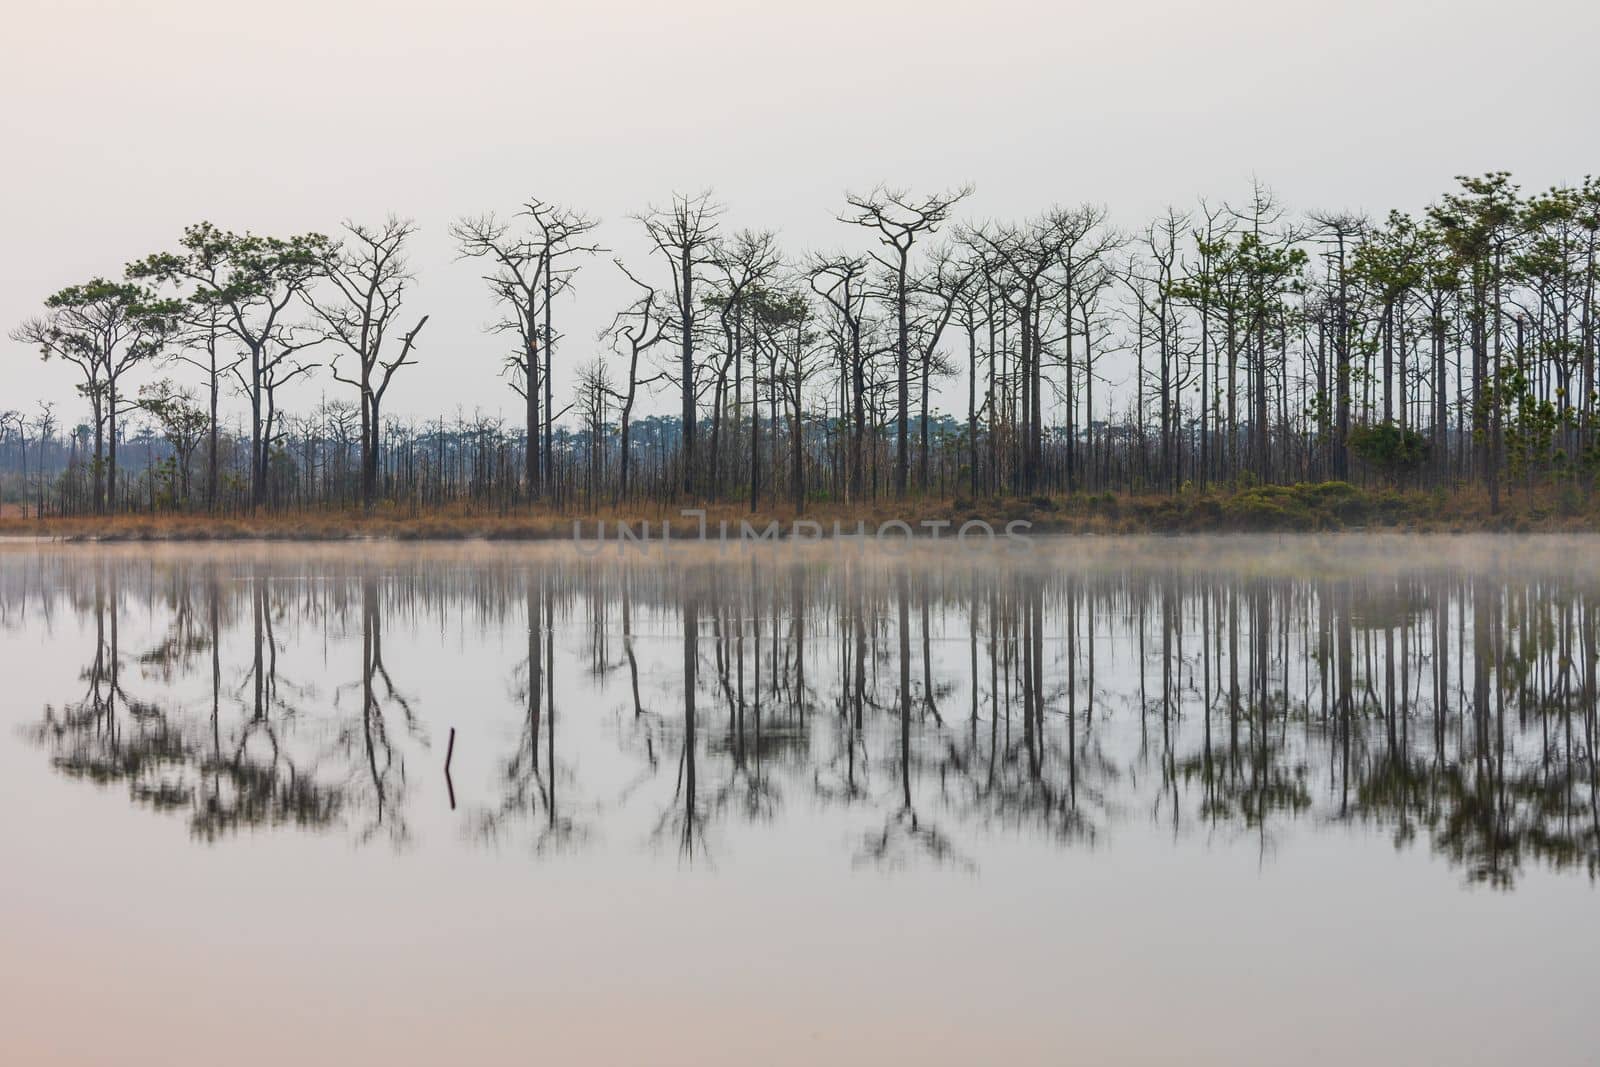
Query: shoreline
point(1326, 507)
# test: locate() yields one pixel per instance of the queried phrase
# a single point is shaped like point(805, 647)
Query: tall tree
point(182, 423)
point(527, 268)
point(899, 221)
point(685, 235)
point(635, 330)
point(366, 278)
point(1479, 225)
point(104, 329)
point(746, 263)
point(1340, 230)
point(250, 281)
point(841, 281)
point(200, 345)
point(938, 289)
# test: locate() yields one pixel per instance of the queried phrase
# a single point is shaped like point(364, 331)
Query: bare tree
point(937, 291)
point(685, 235)
point(592, 397)
point(842, 282)
point(634, 331)
point(1027, 255)
point(1341, 230)
point(367, 274)
point(526, 270)
point(899, 221)
point(747, 263)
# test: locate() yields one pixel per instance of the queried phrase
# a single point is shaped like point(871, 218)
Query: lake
point(1246, 800)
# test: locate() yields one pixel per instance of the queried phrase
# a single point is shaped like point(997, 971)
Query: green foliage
point(1268, 507)
point(1530, 425)
point(229, 270)
point(1306, 506)
point(104, 327)
point(1388, 448)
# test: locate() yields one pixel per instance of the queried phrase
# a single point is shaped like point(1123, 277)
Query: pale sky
point(124, 121)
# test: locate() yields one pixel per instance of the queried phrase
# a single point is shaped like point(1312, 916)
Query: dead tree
point(841, 281)
point(685, 235)
point(367, 275)
point(899, 220)
point(634, 331)
point(526, 272)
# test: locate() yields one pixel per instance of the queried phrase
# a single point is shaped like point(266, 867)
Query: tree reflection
point(167, 758)
point(531, 793)
point(924, 703)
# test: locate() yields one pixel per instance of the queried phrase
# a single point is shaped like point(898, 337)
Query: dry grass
point(447, 523)
point(1326, 506)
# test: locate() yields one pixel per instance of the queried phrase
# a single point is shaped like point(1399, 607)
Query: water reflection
point(917, 704)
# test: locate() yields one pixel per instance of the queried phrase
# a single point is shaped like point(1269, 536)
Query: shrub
point(1386, 447)
point(1270, 507)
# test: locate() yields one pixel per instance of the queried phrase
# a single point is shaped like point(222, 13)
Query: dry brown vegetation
point(1312, 506)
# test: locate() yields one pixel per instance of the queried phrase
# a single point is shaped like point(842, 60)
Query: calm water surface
point(1213, 801)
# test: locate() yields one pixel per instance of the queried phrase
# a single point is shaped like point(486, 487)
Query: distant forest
point(1453, 349)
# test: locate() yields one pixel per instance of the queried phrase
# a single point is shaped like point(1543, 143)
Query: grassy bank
point(1308, 507)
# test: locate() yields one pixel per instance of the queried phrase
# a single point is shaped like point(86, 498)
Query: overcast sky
point(123, 121)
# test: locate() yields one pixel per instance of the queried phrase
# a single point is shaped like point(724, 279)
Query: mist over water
point(798, 804)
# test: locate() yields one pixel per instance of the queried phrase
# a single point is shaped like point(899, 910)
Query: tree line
point(1227, 344)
